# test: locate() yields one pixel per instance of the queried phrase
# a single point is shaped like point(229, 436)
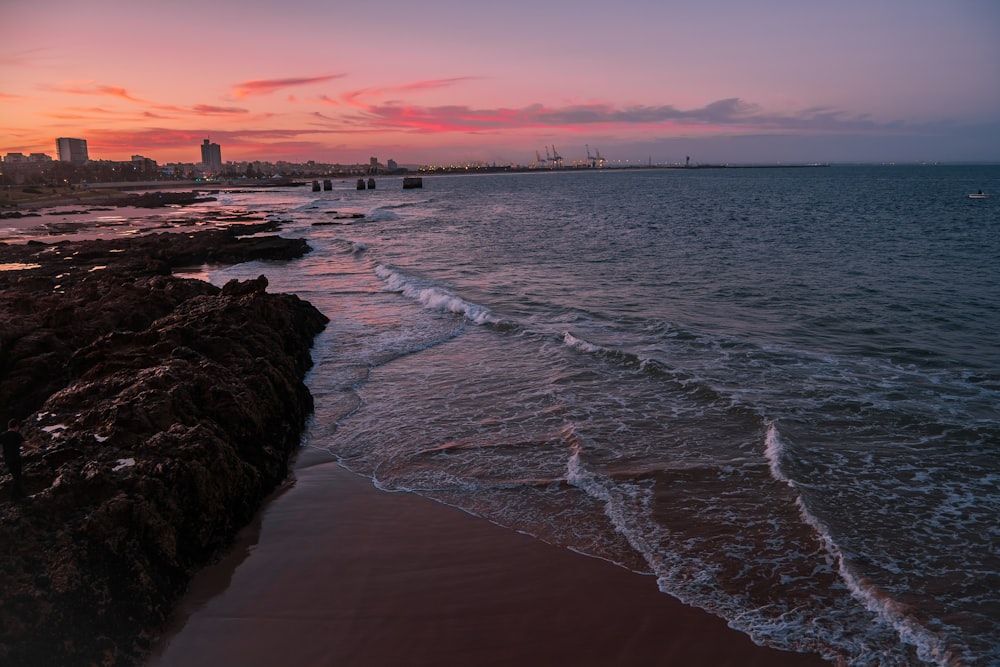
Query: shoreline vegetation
point(158, 411)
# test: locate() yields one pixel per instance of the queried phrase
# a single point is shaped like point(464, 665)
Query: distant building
point(211, 156)
point(72, 150)
point(373, 165)
point(20, 158)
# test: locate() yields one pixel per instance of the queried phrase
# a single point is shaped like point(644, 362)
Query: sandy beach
point(336, 572)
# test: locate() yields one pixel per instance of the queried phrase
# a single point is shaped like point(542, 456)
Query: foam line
point(433, 296)
point(929, 646)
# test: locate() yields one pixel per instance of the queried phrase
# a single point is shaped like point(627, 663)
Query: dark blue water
point(778, 390)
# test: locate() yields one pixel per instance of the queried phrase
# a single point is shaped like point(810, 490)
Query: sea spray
point(433, 296)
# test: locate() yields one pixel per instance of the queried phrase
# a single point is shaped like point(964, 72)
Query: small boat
point(979, 195)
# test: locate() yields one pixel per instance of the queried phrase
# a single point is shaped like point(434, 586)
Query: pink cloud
point(183, 144)
point(355, 97)
point(268, 86)
point(213, 110)
point(118, 92)
point(76, 113)
point(91, 88)
point(730, 114)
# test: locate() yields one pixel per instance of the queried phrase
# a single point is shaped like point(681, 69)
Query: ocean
point(777, 390)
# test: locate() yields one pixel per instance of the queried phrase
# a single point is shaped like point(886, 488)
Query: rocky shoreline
point(159, 412)
point(33, 200)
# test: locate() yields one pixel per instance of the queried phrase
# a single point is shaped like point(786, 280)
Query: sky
point(457, 81)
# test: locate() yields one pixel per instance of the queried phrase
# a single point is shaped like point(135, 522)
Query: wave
point(408, 204)
point(930, 647)
point(774, 449)
point(627, 505)
point(627, 359)
point(349, 247)
point(434, 296)
point(381, 213)
point(323, 204)
point(690, 385)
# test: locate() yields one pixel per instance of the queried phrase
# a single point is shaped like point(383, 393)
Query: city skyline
point(444, 82)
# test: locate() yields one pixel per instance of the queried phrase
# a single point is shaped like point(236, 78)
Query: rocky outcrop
point(160, 199)
point(159, 412)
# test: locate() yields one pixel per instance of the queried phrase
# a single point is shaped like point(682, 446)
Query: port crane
point(556, 158)
point(595, 161)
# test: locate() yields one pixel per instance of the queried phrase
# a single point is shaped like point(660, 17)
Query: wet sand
point(337, 572)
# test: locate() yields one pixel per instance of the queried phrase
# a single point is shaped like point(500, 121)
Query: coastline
point(336, 571)
point(333, 570)
point(153, 429)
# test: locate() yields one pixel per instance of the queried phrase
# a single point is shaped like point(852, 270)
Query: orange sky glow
point(446, 81)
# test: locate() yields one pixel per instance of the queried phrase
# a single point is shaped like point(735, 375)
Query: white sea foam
point(380, 214)
point(626, 505)
point(929, 646)
point(581, 344)
point(773, 450)
point(433, 296)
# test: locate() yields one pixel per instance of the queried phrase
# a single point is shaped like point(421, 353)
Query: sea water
point(776, 390)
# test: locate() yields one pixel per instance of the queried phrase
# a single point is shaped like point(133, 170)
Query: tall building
point(72, 150)
point(211, 156)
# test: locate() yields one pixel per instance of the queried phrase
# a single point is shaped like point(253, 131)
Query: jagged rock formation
point(159, 412)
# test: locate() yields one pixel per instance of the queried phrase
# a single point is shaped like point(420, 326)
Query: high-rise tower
point(72, 150)
point(211, 156)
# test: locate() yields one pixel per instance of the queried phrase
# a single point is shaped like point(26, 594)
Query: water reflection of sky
point(73, 223)
point(18, 266)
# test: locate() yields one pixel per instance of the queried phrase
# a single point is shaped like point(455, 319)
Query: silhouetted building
point(72, 150)
point(211, 156)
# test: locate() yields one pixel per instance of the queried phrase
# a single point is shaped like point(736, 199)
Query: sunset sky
point(437, 81)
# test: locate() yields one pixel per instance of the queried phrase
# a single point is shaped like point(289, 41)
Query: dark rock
point(158, 199)
point(236, 288)
point(159, 412)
